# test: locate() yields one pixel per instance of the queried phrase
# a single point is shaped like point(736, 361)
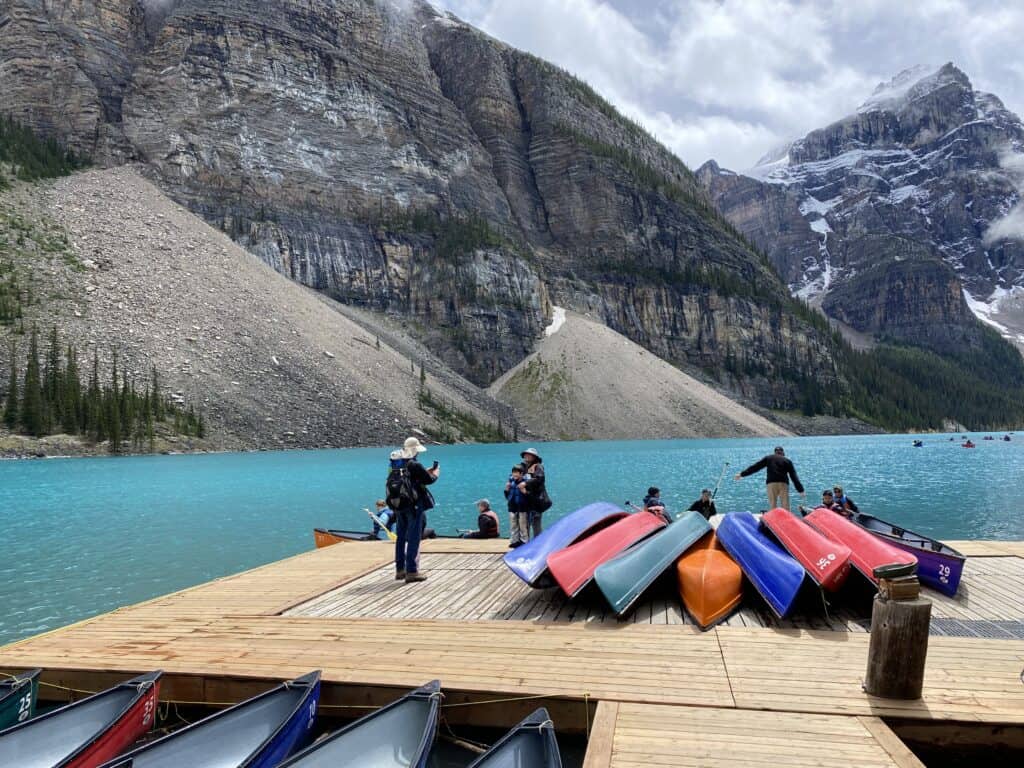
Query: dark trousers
point(409, 531)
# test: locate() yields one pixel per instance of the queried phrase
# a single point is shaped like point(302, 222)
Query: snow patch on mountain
point(885, 94)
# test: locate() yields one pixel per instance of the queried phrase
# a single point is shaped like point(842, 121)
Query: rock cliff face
point(898, 219)
point(399, 160)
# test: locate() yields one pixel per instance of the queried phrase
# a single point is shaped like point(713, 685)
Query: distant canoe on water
point(531, 744)
point(18, 698)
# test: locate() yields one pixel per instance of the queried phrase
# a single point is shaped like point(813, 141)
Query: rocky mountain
point(903, 220)
point(402, 162)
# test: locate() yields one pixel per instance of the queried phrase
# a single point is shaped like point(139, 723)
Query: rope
point(586, 713)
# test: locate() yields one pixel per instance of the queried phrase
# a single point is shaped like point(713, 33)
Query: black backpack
point(400, 492)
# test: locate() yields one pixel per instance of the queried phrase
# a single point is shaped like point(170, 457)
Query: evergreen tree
point(32, 392)
point(11, 409)
point(113, 409)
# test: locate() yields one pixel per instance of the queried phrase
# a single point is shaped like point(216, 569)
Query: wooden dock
point(651, 691)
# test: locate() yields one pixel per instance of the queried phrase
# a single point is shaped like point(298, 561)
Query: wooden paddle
point(378, 521)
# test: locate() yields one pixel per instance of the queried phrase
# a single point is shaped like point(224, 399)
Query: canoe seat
point(897, 531)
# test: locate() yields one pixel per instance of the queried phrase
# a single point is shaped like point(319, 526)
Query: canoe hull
point(324, 537)
point(624, 578)
point(530, 561)
point(531, 744)
point(573, 567)
point(135, 723)
point(710, 582)
point(867, 551)
point(772, 571)
point(939, 567)
point(18, 698)
point(825, 560)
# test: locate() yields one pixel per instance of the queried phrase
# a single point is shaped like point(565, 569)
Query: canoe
point(710, 582)
point(867, 551)
point(325, 537)
point(18, 697)
point(938, 566)
point(258, 733)
point(530, 561)
point(825, 560)
point(531, 744)
point(84, 733)
point(624, 578)
point(399, 735)
point(772, 571)
point(573, 567)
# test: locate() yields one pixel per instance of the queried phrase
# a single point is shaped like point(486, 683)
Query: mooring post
point(899, 635)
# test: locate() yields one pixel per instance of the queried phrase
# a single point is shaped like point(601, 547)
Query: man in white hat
point(408, 495)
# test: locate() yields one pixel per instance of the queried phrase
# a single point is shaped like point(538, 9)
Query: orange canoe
point(325, 537)
point(710, 582)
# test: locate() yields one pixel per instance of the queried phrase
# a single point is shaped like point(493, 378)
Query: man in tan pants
point(779, 470)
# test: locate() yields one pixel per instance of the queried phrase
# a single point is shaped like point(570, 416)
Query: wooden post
point(899, 646)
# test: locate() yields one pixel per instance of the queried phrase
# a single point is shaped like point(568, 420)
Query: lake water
point(83, 536)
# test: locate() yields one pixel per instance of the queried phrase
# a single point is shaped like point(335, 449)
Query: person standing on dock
point(779, 471)
point(534, 486)
point(410, 498)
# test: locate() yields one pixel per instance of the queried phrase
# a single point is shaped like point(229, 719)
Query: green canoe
point(18, 697)
point(623, 579)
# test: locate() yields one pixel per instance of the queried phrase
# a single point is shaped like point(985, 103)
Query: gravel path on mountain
point(271, 364)
point(585, 381)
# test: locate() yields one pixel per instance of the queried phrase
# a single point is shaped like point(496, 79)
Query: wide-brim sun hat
point(531, 452)
point(412, 448)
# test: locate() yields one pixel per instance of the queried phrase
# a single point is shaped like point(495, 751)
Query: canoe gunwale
point(540, 720)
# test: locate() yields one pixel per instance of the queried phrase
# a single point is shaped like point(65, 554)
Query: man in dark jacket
point(412, 515)
point(534, 487)
point(779, 471)
point(705, 505)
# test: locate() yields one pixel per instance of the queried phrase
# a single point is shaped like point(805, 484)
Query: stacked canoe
point(272, 729)
point(780, 555)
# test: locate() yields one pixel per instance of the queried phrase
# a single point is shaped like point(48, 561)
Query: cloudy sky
point(733, 79)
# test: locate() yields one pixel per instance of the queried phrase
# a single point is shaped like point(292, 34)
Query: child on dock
point(518, 513)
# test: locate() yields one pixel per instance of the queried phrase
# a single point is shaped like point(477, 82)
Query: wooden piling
point(898, 647)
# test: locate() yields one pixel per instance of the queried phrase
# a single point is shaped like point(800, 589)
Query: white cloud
point(729, 79)
point(1010, 226)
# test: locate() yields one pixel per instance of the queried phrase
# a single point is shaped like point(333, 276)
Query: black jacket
point(536, 489)
point(707, 509)
point(780, 470)
point(421, 478)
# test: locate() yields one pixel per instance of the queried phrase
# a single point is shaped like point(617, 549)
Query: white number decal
point(312, 714)
point(24, 706)
point(825, 562)
point(147, 711)
point(944, 574)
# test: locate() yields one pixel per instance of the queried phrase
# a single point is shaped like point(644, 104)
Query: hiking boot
point(515, 544)
point(411, 577)
point(399, 575)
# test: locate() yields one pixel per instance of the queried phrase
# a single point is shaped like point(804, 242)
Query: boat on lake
point(938, 566)
point(710, 581)
point(398, 735)
point(85, 733)
point(530, 561)
point(326, 537)
point(258, 733)
point(531, 744)
point(867, 551)
point(18, 695)
point(825, 560)
point(573, 567)
point(624, 578)
point(772, 571)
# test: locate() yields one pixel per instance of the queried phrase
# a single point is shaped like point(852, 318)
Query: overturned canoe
point(624, 578)
point(867, 551)
point(938, 566)
point(399, 735)
point(531, 744)
point(87, 732)
point(326, 537)
point(774, 574)
point(258, 733)
point(710, 582)
point(573, 567)
point(18, 697)
point(825, 560)
point(530, 561)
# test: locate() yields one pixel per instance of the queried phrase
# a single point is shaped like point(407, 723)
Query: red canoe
point(574, 566)
point(826, 561)
point(867, 550)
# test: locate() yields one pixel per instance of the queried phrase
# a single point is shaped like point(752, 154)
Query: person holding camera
point(410, 498)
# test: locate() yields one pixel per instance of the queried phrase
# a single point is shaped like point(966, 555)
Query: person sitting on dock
point(654, 504)
point(518, 514)
point(382, 513)
point(486, 522)
point(779, 471)
point(705, 505)
point(843, 500)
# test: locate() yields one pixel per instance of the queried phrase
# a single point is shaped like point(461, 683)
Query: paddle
point(378, 521)
point(725, 468)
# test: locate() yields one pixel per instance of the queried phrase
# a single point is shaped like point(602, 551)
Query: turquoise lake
point(84, 536)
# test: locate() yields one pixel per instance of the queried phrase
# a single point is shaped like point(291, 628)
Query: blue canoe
point(531, 744)
point(399, 735)
point(530, 561)
point(258, 733)
point(772, 571)
point(623, 579)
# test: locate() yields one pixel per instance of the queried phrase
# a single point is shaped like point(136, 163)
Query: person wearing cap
point(534, 486)
point(843, 500)
point(778, 472)
point(828, 502)
point(705, 505)
point(518, 514)
point(411, 517)
point(486, 522)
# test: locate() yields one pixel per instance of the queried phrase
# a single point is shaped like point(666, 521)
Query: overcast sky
point(733, 79)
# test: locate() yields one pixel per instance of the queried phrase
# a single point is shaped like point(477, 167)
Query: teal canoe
point(623, 579)
point(18, 697)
